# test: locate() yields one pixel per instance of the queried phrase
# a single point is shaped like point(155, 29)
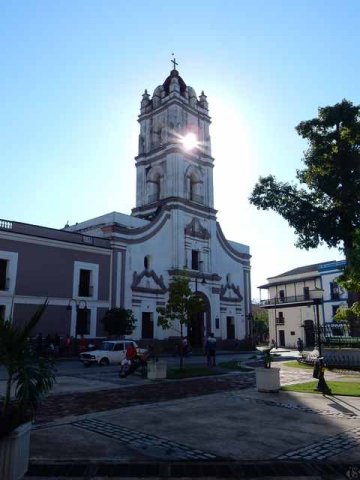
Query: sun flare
point(189, 141)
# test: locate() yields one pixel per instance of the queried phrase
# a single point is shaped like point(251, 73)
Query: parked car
point(109, 352)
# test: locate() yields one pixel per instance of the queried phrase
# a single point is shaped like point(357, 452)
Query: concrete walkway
point(221, 421)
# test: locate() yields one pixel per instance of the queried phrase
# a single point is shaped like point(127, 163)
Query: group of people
point(184, 349)
point(54, 345)
point(50, 345)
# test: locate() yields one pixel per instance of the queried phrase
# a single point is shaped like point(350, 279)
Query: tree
point(119, 321)
point(29, 376)
point(350, 280)
point(260, 323)
point(327, 210)
point(180, 309)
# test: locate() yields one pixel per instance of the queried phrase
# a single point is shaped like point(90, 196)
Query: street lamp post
point(316, 295)
point(203, 281)
point(319, 367)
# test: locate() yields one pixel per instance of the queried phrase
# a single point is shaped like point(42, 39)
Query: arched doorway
point(309, 333)
point(200, 325)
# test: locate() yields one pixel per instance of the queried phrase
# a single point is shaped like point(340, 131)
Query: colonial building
point(290, 303)
point(120, 260)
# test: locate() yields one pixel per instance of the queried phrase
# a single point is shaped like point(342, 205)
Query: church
point(120, 260)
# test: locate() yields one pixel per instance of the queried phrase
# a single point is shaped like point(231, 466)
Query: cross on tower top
point(174, 62)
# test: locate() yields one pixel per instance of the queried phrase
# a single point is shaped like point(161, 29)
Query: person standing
point(300, 345)
point(319, 374)
point(210, 350)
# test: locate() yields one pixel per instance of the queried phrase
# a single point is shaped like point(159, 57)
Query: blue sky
point(72, 77)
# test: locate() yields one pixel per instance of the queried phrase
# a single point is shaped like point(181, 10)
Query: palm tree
point(28, 373)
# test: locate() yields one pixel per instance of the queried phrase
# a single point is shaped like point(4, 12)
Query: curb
point(226, 469)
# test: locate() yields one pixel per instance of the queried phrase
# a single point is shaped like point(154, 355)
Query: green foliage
point(327, 209)
point(31, 375)
point(350, 279)
point(296, 364)
point(349, 315)
point(260, 324)
point(119, 321)
point(337, 388)
point(181, 307)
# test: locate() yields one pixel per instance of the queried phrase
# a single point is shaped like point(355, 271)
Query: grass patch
point(296, 364)
point(234, 365)
point(188, 372)
point(337, 388)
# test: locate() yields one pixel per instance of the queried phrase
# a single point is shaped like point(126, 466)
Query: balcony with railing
point(283, 300)
point(280, 321)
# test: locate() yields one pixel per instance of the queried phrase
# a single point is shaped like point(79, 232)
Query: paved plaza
point(221, 421)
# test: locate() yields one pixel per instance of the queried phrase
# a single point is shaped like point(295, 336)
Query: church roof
point(322, 267)
point(315, 267)
point(299, 270)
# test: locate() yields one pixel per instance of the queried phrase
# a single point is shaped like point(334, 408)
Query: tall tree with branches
point(326, 208)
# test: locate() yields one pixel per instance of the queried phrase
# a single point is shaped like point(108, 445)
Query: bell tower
point(174, 165)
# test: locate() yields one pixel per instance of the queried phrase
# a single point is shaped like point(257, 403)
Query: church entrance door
point(196, 331)
point(200, 325)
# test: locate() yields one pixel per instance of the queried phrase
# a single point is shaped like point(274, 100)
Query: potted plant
point(29, 377)
point(267, 378)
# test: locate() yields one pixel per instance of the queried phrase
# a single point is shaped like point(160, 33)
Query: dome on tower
point(173, 84)
point(174, 77)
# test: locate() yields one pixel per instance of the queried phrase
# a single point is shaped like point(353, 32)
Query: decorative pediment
point(147, 281)
point(195, 229)
point(230, 293)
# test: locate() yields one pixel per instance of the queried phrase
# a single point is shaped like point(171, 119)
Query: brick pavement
point(79, 403)
point(58, 406)
point(336, 439)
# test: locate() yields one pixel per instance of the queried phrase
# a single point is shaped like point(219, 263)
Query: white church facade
point(172, 230)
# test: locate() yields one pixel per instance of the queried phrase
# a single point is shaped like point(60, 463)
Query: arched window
point(154, 184)
point(192, 188)
point(193, 185)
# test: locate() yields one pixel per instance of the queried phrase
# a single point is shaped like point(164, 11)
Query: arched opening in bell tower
point(193, 180)
point(154, 184)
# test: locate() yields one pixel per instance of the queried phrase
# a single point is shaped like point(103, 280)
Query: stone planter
point(156, 370)
point(14, 453)
point(268, 379)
